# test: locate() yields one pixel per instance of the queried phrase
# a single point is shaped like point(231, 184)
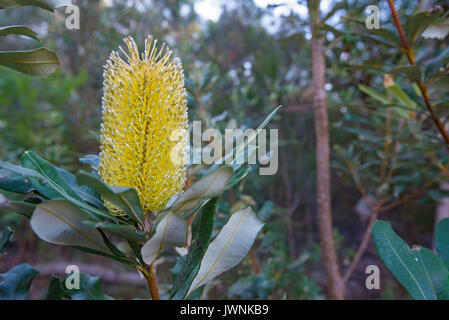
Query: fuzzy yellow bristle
point(144, 102)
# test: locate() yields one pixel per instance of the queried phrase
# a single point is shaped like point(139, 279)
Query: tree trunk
point(335, 285)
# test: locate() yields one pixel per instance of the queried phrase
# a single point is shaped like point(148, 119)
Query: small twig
point(362, 247)
point(422, 86)
point(376, 210)
point(397, 22)
point(407, 198)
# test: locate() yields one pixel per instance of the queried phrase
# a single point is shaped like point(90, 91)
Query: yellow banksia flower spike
point(144, 102)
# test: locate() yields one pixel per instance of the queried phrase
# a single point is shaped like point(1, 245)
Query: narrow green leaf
point(374, 94)
point(201, 233)
point(402, 262)
point(402, 98)
point(37, 62)
point(84, 192)
point(14, 183)
point(241, 147)
point(91, 159)
point(23, 208)
point(124, 231)
point(49, 5)
point(19, 30)
point(127, 261)
point(126, 199)
point(239, 176)
point(111, 246)
point(435, 271)
point(411, 72)
point(42, 169)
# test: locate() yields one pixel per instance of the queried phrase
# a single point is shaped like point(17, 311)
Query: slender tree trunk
point(335, 285)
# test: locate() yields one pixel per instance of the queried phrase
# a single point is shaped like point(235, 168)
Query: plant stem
point(362, 247)
point(254, 261)
point(149, 273)
point(152, 282)
point(422, 86)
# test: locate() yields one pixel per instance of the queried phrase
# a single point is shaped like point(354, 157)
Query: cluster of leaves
point(39, 62)
point(68, 210)
point(399, 144)
point(16, 282)
point(36, 115)
point(395, 149)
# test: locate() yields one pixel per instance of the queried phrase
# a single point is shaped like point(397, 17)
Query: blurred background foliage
point(239, 65)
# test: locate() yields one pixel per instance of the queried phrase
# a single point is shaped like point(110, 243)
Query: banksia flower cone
point(144, 103)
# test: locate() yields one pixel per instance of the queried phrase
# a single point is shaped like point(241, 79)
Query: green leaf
point(411, 72)
point(435, 271)
point(16, 282)
point(437, 64)
point(20, 30)
point(49, 172)
point(20, 170)
point(60, 222)
point(229, 247)
point(210, 186)
point(201, 233)
point(171, 231)
point(23, 208)
point(124, 198)
point(37, 62)
point(124, 231)
point(49, 5)
point(5, 239)
point(442, 240)
point(239, 176)
point(90, 289)
point(84, 192)
point(403, 98)
point(402, 262)
point(91, 159)
point(136, 250)
point(417, 24)
point(55, 289)
point(44, 189)
point(382, 35)
point(374, 94)
point(115, 251)
point(120, 259)
point(241, 147)
point(14, 183)
point(42, 169)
